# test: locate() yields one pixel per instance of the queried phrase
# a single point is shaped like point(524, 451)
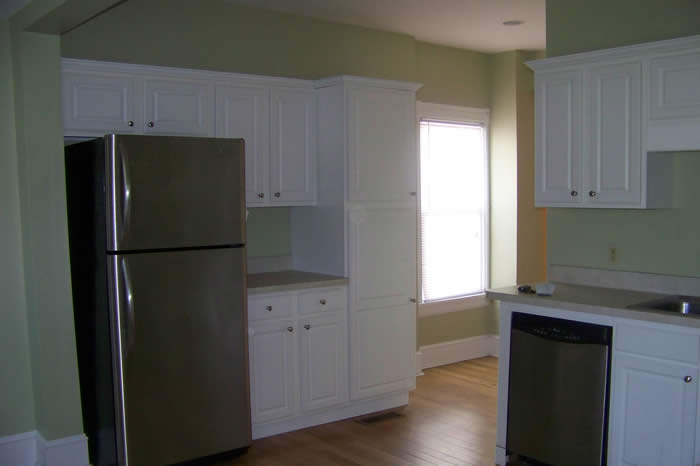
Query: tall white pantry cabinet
point(368, 172)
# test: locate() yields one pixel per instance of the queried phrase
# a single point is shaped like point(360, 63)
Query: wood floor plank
point(450, 420)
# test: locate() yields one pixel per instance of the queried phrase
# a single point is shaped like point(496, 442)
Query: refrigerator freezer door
point(181, 350)
point(174, 192)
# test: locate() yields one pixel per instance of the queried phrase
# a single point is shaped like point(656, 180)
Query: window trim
point(465, 115)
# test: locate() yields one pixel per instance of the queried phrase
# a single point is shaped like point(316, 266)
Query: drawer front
point(322, 300)
point(664, 344)
point(270, 306)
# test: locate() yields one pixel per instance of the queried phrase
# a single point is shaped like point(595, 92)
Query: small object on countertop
point(545, 289)
point(524, 289)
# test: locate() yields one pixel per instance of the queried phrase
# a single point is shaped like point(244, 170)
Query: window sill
point(452, 305)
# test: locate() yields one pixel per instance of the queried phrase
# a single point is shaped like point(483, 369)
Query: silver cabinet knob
point(277, 194)
point(307, 326)
point(574, 193)
point(687, 379)
point(412, 193)
point(592, 193)
point(413, 300)
point(268, 308)
point(290, 329)
point(150, 124)
point(261, 195)
point(323, 302)
point(129, 123)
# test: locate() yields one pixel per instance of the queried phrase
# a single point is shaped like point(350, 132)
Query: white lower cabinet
point(273, 368)
point(298, 362)
point(654, 412)
point(323, 357)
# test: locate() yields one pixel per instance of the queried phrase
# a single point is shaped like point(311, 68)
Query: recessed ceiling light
point(513, 22)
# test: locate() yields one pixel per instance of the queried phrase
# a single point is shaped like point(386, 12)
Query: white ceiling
point(468, 24)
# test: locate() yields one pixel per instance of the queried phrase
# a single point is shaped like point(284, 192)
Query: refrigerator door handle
point(130, 319)
point(126, 187)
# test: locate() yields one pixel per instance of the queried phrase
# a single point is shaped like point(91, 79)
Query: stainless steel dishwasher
point(558, 391)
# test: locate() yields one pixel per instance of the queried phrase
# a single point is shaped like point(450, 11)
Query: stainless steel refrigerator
point(157, 248)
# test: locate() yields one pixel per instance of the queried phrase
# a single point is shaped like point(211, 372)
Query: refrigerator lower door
point(180, 341)
point(174, 192)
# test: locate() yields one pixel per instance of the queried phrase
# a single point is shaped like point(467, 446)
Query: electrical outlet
point(612, 255)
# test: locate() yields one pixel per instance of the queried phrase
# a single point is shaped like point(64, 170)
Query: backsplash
point(661, 241)
point(268, 232)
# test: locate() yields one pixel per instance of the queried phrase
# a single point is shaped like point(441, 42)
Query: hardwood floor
point(450, 419)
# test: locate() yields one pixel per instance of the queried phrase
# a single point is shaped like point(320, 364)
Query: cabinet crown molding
point(362, 81)
point(636, 51)
point(220, 77)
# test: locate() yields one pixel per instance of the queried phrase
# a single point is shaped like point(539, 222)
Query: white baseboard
point(20, 449)
point(355, 408)
point(419, 363)
point(453, 351)
point(494, 344)
point(30, 449)
point(67, 451)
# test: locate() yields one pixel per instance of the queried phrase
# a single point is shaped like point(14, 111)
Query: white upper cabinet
point(674, 101)
point(603, 120)
point(588, 140)
point(243, 112)
point(557, 140)
point(178, 107)
point(382, 161)
point(95, 104)
point(275, 116)
point(293, 146)
point(612, 137)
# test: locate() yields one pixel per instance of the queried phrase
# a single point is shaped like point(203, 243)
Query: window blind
point(454, 228)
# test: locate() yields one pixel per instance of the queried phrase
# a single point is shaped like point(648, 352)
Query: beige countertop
point(290, 280)
point(610, 302)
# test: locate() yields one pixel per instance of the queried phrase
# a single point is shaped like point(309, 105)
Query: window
point(453, 206)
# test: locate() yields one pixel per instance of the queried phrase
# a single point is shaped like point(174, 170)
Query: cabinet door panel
point(243, 112)
point(383, 162)
point(674, 86)
point(273, 370)
point(293, 146)
point(98, 104)
point(613, 153)
point(558, 139)
point(178, 107)
point(383, 350)
point(323, 361)
point(382, 250)
point(654, 412)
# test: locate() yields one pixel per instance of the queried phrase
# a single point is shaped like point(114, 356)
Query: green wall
point(217, 35)
point(504, 166)
point(452, 76)
point(268, 232)
point(580, 26)
point(457, 325)
point(49, 306)
point(657, 241)
point(17, 407)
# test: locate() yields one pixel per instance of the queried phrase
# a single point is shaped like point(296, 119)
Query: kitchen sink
point(677, 304)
